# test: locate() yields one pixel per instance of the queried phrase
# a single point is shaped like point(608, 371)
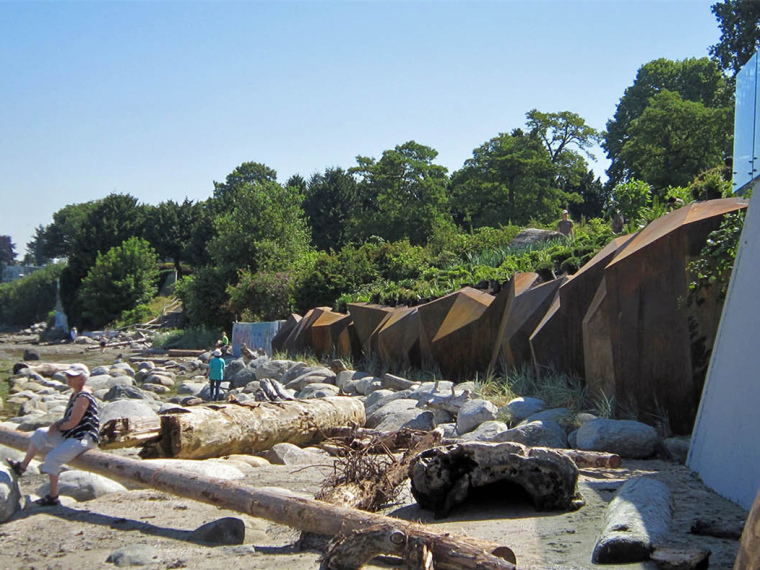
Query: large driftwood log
point(748, 557)
point(45, 369)
point(218, 430)
point(442, 477)
point(449, 552)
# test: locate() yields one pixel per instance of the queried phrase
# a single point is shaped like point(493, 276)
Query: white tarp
point(254, 336)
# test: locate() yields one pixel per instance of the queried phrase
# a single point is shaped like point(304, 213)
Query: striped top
point(89, 424)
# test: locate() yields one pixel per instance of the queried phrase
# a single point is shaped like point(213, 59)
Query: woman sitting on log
point(68, 437)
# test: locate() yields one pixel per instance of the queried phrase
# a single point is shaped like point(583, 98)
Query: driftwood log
point(225, 429)
point(45, 369)
point(449, 552)
point(183, 352)
point(442, 477)
point(748, 557)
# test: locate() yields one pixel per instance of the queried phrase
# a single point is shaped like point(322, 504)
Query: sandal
point(15, 466)
point(47, 501)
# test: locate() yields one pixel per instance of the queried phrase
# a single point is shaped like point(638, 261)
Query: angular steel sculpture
point(334, 334)
point(398, 338)
point(367, 318)
point(278, 342)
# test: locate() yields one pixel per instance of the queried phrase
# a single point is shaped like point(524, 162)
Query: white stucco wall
point(725, 445)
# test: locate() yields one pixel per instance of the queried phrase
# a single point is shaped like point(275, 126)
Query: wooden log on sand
point(45, 369)
point(225, 429)
point(178, 352)
point(129, 432)
point(449, 552)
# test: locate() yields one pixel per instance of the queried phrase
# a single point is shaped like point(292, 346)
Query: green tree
point(739, 22)
point(509, 179)
point(264, 229)
point(58, 238)
point(560, 131)
point(674, 140)
point(7, 251)
point(403, 195)
point(331, 200)
point(29, 300)
point(169, 229)
point(122, 278)
point(695, 80)
point(34, 248)
point(246, 173)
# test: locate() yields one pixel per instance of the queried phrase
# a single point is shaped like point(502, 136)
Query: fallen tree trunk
point(218, 430)
point(449, 552)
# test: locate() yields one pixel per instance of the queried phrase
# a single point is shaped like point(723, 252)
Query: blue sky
point(158, 99)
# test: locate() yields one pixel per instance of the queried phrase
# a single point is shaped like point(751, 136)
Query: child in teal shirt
point(215, 373)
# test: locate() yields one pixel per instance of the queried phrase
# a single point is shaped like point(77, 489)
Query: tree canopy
point(739, 22)
point(7, 251)
point(694, 80)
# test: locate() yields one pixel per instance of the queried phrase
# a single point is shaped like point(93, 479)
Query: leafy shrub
point(29, 300)
point(122, 278)
point(716, 260)
point(262, 296)
point(204, 297)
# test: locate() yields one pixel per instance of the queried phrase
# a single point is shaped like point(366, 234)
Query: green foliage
point(193, 338)
point(29, 300)
point(740, 34)
point(711, 184)
point(716, 260)
point(403, 195)
point(56, 240)
point(121, 279)
point(673, 140)
point(694, 80)
point(331, 200)
point(169, 229)
point(262, 296)
point(204, 297)
point(140, 314)
point(630, 198)
point(263, 230)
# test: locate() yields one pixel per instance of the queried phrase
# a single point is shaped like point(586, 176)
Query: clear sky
point(158, 99)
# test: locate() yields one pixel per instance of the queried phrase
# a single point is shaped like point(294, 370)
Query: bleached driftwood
point(250, 427)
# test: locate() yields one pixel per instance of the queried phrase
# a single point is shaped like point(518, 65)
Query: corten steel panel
point(650, 333)
point(300, 339)
point(329, 334)
point(517, 285)
point(398, 340)
point(548, 340)
point(575, 297)
point(456, 347)
point(597, 346)
point(278, 342)
point(525, 312)
point(367, 317)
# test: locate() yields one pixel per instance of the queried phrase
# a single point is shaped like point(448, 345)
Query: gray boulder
point(531, 236)
point(627, 438)
point(521, 408)
point(98, 370)
point(31, 354)
point(125, 393)
point(375, 397)
point(475, 412)
point(126, 409)
point(190, 388)
point(273, 369)
point(134, 555)
point(562, 416)
point(83, 486)
point(228, 530)
point(368, 384)
point(106, 381)
point(243, 377)
point(319, 375)
point(347, 376)
point(122, 369)
point(10, 494)
point(318, 390)
point(394, 407)
point(289, 454)
point(160, 379)
point(147, 365)
point(387, 399)
point(541, 433)
point(233, 367)
point(487, 431)
point(676, 448)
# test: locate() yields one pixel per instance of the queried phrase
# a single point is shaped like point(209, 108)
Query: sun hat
point(78, 370)
point(217, 352)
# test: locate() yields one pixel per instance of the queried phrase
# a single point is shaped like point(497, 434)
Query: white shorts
point(57, 449)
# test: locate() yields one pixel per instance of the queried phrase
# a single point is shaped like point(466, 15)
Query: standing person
point(565, 226)
point(73, 333)
point(224, 343)
point(67, 438)
point(215, 373)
